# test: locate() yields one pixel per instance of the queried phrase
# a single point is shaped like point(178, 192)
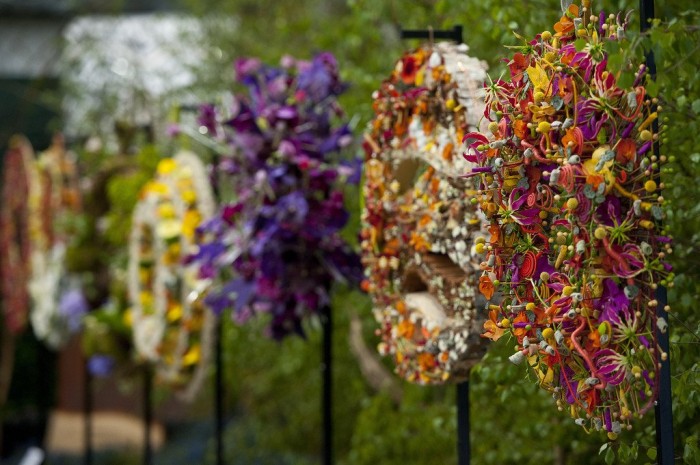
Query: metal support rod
point(147, 415)
point(454, 34)
point(87, 415)
point(327, 377)
point(463, 427)
point(219, 392)
point(663, 409)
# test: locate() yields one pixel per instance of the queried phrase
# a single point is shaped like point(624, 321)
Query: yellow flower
point(155, 187)
point(189, 196)
point(192, 356)
point(168, 229)
point(174, 313)
point(128, 317)
point(166, 166)
point(166, 210)
point(146, 299)
point(190, 222)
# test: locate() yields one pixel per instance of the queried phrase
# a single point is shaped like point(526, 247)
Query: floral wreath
point(418, 227)
point(57, 302)
point(276, 245)
point(569, 183)
point(171, 326)
point(19, 230)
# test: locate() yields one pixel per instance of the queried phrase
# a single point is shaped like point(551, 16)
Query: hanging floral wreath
point(569, 182)
point(171, 326)
point(19, 230)
point(276, 245)
point(418, 226)
point(57, 301)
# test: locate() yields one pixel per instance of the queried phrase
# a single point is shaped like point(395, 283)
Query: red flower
point(527, 269)
point(517, 66)
point(409, 69)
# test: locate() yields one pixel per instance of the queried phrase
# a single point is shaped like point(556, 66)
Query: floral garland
point(277, 245)
point(57, 302)
point(18, 230)
point(171, 326)
point(569, 182)
point(418, 234)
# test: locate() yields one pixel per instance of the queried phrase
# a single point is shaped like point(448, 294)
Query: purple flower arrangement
point(275, 244)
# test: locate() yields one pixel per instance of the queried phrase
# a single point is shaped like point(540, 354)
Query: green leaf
point(610, 456)
point(580, 44)
point(652, 88)
point(651, 453)
point(696, 106)
point(626, 80)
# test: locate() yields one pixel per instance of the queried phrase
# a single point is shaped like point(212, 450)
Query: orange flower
point(565, 26)
point(425, 220)
point(392, 247)
point(520, 128)
point(447, 151)
point(495, 233)
point(575, 136)
point(366, 286)
point(594, 180)
point(594, 339)
point(401, 307)
point(406, 329)
point(409, 67)
point(426, 361)
point(486, 287)
point(591, 397)
point(434, 185)
point(626, 151)
point(517, 331)
point(419, 243)
point(493, 332)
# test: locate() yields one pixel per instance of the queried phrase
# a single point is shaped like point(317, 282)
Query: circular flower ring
point(171, 326)
point(19, 230)
point(49, 284)
point(569, 183)
point(418, 227)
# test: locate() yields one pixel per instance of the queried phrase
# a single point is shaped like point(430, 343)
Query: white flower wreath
point(171, 326)
point(418, 225)
point(53, 195)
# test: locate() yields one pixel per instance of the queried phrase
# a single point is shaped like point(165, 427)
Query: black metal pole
point(87, 415)
point(454, 34)
point(147, 415)
point(663, 409)
point(463, 428)
point(327, 377)
point(219, 392)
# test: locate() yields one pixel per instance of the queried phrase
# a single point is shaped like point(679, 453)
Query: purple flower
point(611, 366)
point(101, 365)
point(609, 212)
point(285, 172)
point(73, 306)
point(612, 302)
point(207, 118)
